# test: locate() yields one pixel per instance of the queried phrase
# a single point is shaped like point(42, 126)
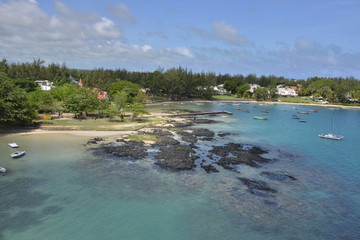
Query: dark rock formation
point(95, 140)
point(204, 121)
point(187, 137)
point(176, 158)
point(209, 168)
point(202, 132)
point(132, 149)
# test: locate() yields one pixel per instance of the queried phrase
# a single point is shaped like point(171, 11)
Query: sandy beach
point(85, 133)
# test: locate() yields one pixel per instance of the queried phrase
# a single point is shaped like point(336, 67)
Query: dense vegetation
point(21, 98)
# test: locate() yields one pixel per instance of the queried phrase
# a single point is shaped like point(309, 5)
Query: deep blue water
point(59, 190)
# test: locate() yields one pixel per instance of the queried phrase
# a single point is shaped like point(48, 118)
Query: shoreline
point(104, 133)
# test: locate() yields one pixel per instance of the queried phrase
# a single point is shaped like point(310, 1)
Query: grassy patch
point(226, 98)
point(296, 100)
point(98, 124)
point(143, 137)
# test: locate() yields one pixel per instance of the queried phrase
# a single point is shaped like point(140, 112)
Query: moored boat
point(261, 118)
point(17, 154)
point(331, 136)
point(2, 170)
point(13, 145)
point(295, 116)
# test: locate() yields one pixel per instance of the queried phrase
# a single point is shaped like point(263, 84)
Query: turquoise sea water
point(59, 190)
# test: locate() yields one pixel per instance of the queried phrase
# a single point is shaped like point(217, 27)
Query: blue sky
point(290, 38)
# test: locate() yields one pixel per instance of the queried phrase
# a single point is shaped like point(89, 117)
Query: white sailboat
point(331, 135)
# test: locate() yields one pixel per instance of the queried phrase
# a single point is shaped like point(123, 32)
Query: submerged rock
point(257, 187)
point(224, 134)
point(278, 176)
point(234, 154)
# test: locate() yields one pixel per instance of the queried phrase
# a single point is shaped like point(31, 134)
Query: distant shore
point(258, 102)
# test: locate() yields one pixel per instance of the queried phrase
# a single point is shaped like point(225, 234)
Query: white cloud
point(184, 51)
point(121, 11)
point(224, 32)
point(228, 33)
point(144, 48)
point(105, 28)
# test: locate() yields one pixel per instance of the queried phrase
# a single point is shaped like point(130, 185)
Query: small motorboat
point(17, 154)
point(295, 117)
point(261, 118)
point(2, 170)
point(303, 121)
point(13, 145)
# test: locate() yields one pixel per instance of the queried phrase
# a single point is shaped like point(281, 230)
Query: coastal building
point(100, 94)
point(45, 85)
point(220, 89)
point(253, 87)
point(287, 91)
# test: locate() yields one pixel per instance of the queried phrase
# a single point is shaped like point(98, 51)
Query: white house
point(253, 87)
point(285, 91)
point(45, 85)
point(220, 89)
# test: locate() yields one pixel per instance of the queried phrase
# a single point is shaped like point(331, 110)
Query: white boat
point(17, 154)
point(13, 145)
point(2, 170)
point(331, 135)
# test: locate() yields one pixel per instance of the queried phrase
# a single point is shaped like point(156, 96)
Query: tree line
point(338, 90)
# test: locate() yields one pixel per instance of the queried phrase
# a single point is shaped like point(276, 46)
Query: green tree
point(43, 100)
point(15, 107)
point(240, 90)
point(84, 101)
point(261, 94)
point(120, 85)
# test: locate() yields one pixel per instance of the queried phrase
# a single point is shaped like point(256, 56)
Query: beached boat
point(17, 154)
point(331, 135)
point(2, 170)
point(13, 145)
point(261, 118)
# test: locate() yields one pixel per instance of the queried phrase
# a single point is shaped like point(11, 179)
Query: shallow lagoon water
point(59, 190)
